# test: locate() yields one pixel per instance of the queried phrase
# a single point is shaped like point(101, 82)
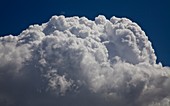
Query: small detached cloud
point(73, 61)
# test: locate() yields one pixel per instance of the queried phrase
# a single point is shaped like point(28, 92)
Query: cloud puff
point(78, 62)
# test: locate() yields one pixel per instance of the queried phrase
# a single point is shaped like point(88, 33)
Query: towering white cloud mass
point(78, 62)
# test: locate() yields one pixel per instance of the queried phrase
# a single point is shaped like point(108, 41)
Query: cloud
point(78, 62)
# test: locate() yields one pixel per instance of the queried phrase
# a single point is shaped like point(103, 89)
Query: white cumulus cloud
point(73, 61)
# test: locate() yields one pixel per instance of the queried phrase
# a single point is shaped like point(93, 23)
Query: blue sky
point(152, 15)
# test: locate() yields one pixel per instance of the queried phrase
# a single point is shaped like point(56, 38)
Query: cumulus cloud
point(74, 61)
